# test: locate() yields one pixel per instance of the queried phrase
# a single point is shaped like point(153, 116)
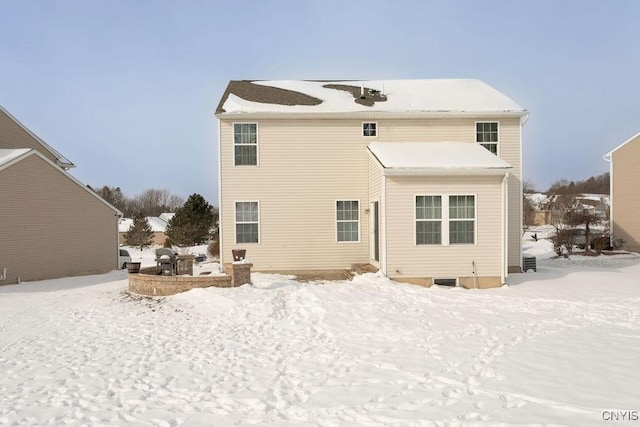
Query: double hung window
point(245, 143)
point(348, 220)
point(487, 135)
point(247, 222)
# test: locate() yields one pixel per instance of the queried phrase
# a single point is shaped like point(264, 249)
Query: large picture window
point(428, 220)
point(348, 220)
point(247, 222)
point(245, 143)
point(487, 135)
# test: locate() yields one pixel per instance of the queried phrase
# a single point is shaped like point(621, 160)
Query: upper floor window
point(487, 135)
point(369, 129)
point(348, 220)
point(245, 142)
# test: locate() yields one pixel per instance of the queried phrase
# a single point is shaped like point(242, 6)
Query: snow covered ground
point(559, 347)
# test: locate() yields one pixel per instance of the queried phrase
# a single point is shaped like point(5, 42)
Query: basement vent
point(445, 282)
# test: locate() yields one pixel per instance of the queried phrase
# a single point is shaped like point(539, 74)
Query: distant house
point(52, 225)
point(419, 178)
point(625, 193)
point(158, 226)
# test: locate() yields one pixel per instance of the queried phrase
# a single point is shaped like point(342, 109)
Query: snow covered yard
point(559, 346)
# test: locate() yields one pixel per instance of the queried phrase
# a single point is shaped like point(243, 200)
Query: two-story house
point(51, 224)
point(420, 178)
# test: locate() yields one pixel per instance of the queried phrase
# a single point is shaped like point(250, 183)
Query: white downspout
point(118, 218)
point(609, 158)
point(383, 238)
point(505, 229)
point(220, 197)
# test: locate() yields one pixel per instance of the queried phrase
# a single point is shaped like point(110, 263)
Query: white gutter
point(443, 171)
point(383, 238)
point(505, 228)
point(609, 158)
point(119, 216)
point(366, 115)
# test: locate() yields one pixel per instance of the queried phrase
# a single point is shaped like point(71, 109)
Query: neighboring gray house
point(51, 225)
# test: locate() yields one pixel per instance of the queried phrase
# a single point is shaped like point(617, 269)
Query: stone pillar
point(185, 264)
point(240, 273)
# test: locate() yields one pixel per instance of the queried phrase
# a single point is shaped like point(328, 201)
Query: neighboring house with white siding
point(420, 178)
point(51, 225)
point(625, 196)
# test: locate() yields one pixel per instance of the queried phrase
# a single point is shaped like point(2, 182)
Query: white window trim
point(444, 229)
point(415, 221)
point(369, 136)
point(335, 213)
point(475, 134)
point(235, 223)
point(475, 220)
point(233, 139)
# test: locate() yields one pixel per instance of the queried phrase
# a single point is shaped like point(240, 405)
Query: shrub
point(214, 249)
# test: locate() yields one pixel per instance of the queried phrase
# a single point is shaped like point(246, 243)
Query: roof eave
point(363, 114)
point(446, 171)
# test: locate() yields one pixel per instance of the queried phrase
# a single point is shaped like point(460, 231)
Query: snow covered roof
point(7, 155)
point(158, 225)
point(384, 96)
point(437, 158)
point(166, 216)
point(60, 159)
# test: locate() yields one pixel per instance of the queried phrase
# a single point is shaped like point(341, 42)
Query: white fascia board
point(368, 115)
point(444, 172)
point(61, 160)
point(607, 156)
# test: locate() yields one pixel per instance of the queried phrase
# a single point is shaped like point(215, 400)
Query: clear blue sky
point(127, 89)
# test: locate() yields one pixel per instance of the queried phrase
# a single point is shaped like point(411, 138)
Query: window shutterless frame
point(488, 135)
point(446, 219)
point(347, 217)
point(246, 221)
point(370, 129)
point(246, 144)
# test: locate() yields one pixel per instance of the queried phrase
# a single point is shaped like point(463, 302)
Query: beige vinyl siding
point(625, 202)
point(304, 168)
point(52, 227)
point(405, 258)
point(13, 136)
point(305, 165)
point(509, 150)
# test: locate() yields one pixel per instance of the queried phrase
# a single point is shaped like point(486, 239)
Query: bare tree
point(528, 186)
point(580, 218)
point(153, 202)
point(114, 196)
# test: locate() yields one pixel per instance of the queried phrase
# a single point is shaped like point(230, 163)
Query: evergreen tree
point(140, 233)
point(192, 223)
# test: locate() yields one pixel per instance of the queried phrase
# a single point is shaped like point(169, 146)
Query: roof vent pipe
point(362, 90)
